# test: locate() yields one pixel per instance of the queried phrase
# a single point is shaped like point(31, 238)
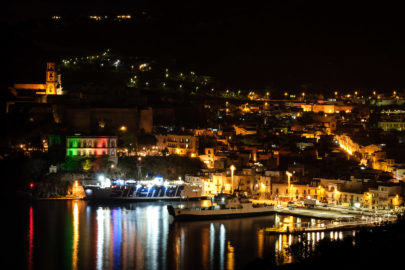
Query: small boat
point(233, 208)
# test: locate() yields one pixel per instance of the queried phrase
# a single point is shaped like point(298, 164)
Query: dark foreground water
point(84, 235)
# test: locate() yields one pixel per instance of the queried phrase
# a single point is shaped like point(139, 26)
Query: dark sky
point(279, 44)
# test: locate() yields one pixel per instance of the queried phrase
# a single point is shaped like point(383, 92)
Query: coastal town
point(204, 135)
point(344, 149)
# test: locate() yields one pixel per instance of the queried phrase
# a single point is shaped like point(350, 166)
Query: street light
point(232, 170)
point(289, 182)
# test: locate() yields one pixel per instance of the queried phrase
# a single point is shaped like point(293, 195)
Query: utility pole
point(232, 170)
point(289, 183)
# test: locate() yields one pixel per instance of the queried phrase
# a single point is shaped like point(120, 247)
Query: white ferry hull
point(142, 194)
point(185, 214)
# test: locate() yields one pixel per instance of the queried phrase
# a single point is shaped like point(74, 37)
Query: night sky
point(280, 44)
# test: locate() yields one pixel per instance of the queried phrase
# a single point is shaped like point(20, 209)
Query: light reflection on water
point(79, 235)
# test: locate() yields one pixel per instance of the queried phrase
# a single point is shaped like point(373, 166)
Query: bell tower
point(51, 79)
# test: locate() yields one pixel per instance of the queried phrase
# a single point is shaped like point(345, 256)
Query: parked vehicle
point(310, 203)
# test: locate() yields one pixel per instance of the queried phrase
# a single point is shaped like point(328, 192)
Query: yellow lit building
point(383, 197)
point(386, 126)
point(243, 131)
point(283, 192)
point(179, 144)
point(350, 146)
point(52, 85)
point(326, 108)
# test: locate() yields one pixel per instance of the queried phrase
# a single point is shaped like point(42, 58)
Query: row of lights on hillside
point(394, 94)
point(251, 94)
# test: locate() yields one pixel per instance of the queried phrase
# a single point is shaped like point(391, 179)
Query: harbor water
point(86, 235)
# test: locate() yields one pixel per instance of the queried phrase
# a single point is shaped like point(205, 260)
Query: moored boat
point(233, 208)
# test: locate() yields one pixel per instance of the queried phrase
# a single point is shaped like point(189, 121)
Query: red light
point(31, 185)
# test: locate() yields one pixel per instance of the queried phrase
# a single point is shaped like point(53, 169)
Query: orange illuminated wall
point(29, 86)
point(48, 88)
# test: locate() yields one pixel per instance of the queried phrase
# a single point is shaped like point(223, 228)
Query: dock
point(339, 226)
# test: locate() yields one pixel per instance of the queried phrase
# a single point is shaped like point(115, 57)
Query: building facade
point(92, 146)
point(178, 144)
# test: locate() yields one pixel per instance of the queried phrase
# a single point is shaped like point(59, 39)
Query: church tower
point(51, 79)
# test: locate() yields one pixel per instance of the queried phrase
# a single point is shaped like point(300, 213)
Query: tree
point(128, 141)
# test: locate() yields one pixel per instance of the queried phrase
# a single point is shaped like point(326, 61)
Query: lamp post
point(289, 183)
point(232, 170)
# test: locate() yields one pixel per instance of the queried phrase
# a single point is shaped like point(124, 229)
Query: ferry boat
point(148, 190)
point(233, 208)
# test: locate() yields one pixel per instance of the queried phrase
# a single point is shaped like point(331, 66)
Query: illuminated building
point(386, 126)
point(178, 144)
point(383, 197)
point(379, 161)
point(52, 85)
point(348, 198)
point(285, 192)
point(353, 144)
point(264, 187)
point(206, 184)
point(92, 146)
point(209, 157)
point(244, 131)
point(326, 108)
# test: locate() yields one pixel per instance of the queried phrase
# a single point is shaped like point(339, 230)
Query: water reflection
point(31, 239)
point(79, 235)
point(75, 236)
